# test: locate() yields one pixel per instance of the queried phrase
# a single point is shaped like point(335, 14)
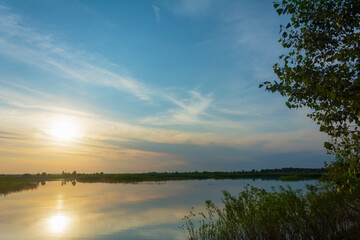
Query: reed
point(318, 213)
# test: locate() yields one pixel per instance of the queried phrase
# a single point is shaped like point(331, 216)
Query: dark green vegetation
point(14, 183)
point(321, 71)
point(283, 214)
point(263, 174)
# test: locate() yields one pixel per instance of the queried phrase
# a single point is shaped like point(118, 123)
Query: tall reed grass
point(318, 213)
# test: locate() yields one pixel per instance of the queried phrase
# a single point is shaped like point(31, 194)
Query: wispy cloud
point(190, 8)
point(188, 111)
point(106, 133)
point(29, 46)
point(24, 135)
point(234, 119)
point(31, 114)
point(2, 7)
point(22, 97)
point(157, 12)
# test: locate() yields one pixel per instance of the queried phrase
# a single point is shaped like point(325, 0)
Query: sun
point(64, 129)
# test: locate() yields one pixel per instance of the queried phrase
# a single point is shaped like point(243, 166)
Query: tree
point(321, 71)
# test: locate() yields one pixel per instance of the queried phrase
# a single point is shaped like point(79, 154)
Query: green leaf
point(328, 145)
point(323, 128)
point(318, 70)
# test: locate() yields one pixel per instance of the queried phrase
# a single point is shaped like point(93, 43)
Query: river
point(113, 211)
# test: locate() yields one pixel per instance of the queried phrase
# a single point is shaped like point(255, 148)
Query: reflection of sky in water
point(111, 211)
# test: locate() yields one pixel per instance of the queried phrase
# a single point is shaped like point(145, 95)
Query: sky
point(142, 86)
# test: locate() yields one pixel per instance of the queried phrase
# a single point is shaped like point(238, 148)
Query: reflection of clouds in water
point(117, 211)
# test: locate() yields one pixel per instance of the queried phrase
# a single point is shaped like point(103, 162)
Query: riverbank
point(285, 174)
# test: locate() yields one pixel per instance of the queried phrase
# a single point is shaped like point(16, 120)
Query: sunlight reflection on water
point(58, 223)
point(112, 211)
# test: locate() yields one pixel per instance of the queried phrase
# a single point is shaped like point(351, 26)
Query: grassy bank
point(273, 174)
point(14, 183)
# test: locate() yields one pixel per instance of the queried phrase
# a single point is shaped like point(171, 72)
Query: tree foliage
point(321, 71)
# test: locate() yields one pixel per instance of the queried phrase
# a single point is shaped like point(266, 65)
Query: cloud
point(189, 110)
point(33, 114)
point(105, 142)
point(27, 45)
point(252, 33)
point(190, 119)
point(157, 12)
point(21, 96)
point(2, 7)
point(190, 7)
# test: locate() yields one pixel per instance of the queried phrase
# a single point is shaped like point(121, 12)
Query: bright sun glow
point(64, 129)
point(58, 223)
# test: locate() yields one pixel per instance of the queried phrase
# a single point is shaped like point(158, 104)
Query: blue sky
point(136, 86)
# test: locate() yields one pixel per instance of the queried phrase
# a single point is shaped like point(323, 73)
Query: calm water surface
point(112, 211)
